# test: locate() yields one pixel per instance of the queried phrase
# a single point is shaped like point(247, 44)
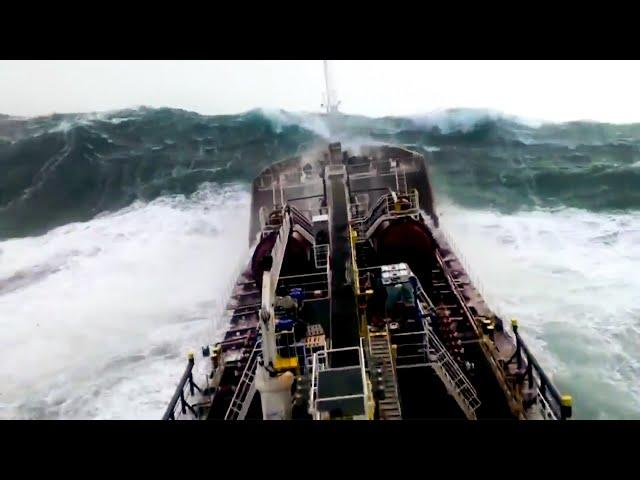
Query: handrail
point(382, 199)
point(231, 286)
point(385, 207)
point(353, 268)
point(466, 394)
point(487, 347)
point(456, 291)
point(393, 367)
point(391, 205)
point(244, 385)
point(321, 255)
point(363, 373)
point(179, 395)
point(298, 215)
point(461, 257)
point(543, 386)
point(434, 354)
point(321, 362)
point(314, 388)
point(457, 380)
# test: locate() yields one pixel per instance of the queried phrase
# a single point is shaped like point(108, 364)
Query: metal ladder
point(381, 352)
point(246, 389)
point(445, 366)
point(364, 254)
point(452, 376)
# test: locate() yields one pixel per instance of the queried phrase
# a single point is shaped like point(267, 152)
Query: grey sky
point(546, 90)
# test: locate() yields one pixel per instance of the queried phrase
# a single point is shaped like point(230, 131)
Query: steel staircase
point(365, 255)
point(381, 351)
point(445, 366)
point(246, 388)
point(452, 377)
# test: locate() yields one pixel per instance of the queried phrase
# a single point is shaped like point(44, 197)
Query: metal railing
point(411, 349)
point(187, 377)
point(424, 349)
point(270, 219)
point(318, 363)
point(245, 390)
point(474, 279)
point(452, 376)
point(373, 212)
point(180, 396)
point(427, 350)
point(486, 344)
point(546, 396)
point(353, 275)
point(388, 206)
point(321, 362)
point(384, 341)
point(356, 212)
point(447, 369)
point(321, 255)
point(300, 218)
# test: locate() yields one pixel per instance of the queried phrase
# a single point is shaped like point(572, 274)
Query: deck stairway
point(443, 364)
point(455, 326)
point(365, 255)
point(246, 389)
point(380, 350)
point(453, 378)
point(384, 208)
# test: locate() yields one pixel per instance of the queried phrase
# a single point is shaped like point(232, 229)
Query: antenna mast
point(331, 100)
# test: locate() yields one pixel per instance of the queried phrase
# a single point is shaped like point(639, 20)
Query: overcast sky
point(543, 90)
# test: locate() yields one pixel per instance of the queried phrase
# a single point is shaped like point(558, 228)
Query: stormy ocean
point(120, 233)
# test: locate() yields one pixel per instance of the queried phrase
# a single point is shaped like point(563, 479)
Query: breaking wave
point(64, 168)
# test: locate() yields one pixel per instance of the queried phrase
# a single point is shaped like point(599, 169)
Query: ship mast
point(331, 100)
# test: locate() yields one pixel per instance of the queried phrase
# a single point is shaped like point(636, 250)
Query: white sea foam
point(96, 318)
point(282, 118)
point(571, 278)
point(465, 119)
